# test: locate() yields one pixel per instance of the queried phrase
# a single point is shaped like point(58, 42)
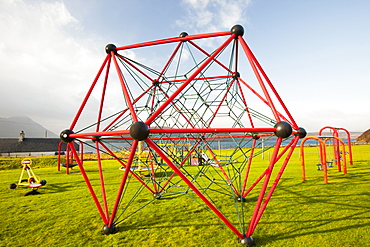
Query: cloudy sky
point(316, 53)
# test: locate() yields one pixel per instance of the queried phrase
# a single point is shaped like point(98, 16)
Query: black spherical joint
point(238, 30)
point(109, 230)
point(65, 136)
point(183, 34)
point(109, 48)
point(248, 241)
point(157, 195)
point(236, 75)
point(283, 129)
point(301, 133)
point(96, 138)
point(255, 137)
point(139, 131)
point(241, 199)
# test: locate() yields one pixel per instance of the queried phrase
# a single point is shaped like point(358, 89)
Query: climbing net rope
point(192, 120)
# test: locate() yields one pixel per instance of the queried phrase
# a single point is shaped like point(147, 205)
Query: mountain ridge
point(12, 126)
point(364, 137)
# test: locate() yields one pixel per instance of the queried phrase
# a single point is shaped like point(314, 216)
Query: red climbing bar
point(292, 146)
point(194, 188)
point(186, 83)
point(175, 39)
point(89, 186)
point(125, 91)
point(214, 130)
point(254, 219)
point(123, 182)
point(88, 93)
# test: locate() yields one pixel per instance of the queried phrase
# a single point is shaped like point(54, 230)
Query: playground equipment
point(335, 133)
point(69, 157)
point(143, 163)
point(31, 180)
point(191, 98)
point(324, 163)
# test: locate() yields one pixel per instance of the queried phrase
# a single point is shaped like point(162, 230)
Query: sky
point(316, 53)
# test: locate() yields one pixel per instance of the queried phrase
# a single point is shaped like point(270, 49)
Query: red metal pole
point(182, 163)
point(335, 144)
point(82, 152)
point(132, 65)
point(175, 39)
point(262, 99)
point(68, 154)
point(156, 131)
point(213, 130)
point(194, 188)
point(250, 57)
point(124, 111)
point(198, 79)
point(103, 96)
point(349, 146)
point(248, 166)
point(236, 42)
point(125, 91)
point(255, 183)
point(123, 182)
point(264, 173)
point(101, 176)
point(206, 53)
point(89, 186)
point(169, 60)
point(223, 172)
point(293, 123)
point(59, 150)
point(88, 94)
point(322, 157)
point(264, 187)
point(92, 135)
point(175, 106)
point(245, 103)
point(293, 144)
point(186, 83)
point(124, 165)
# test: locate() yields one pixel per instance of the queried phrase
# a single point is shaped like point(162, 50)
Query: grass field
point(300, 213)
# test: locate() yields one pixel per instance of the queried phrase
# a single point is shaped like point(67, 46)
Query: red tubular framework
point(165, 97)
point(335, 145)
point(322, 157)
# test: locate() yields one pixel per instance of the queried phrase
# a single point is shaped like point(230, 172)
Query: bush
point(37, 162)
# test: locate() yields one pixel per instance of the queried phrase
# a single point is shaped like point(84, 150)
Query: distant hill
point(364, 137)
point(12, 126)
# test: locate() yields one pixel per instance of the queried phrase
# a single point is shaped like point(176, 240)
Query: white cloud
point(45, 61)
point(213, 15)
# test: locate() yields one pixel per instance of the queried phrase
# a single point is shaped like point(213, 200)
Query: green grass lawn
point(300, 213)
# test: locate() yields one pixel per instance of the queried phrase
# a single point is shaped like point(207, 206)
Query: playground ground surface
point(300, 213)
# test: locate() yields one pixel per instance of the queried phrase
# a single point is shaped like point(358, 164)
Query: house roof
point(13, 145)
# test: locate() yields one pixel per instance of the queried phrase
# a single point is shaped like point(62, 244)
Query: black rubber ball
point(183, 34)
point(109, 48)
point(283, 129)
point(238, 30)
point(301, 133)
point(109, 230)
point(65, 135)
point(139, 131)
